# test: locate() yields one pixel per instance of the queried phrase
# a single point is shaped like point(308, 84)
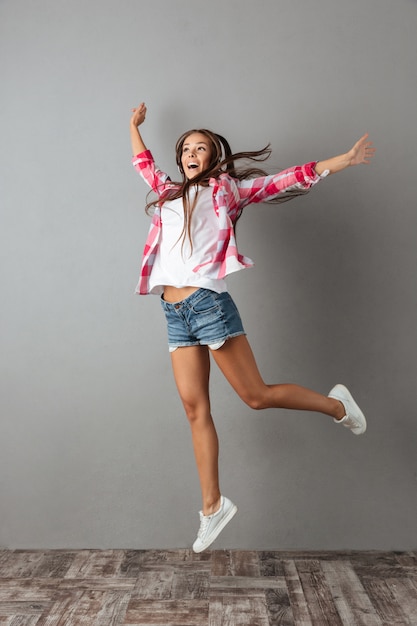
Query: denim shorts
point(204, 318)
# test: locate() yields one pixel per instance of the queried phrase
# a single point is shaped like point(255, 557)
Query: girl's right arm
point(138, 117)
point(142, 158)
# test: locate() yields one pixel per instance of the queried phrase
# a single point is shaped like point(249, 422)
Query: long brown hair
point(222, 160)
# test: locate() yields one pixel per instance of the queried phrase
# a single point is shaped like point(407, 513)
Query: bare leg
point(236, 361)
point(191, 367)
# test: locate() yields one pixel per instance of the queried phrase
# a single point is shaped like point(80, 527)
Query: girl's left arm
point(302, 177)
point(361, 152)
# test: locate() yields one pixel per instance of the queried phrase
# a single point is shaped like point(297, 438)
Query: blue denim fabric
point(205, 318)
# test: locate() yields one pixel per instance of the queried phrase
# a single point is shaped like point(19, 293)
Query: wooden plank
point(97, 584)
point(188, 566)
point(245, 563)
point(220, 563)
point(377, 565)
point(131, 563)
point(153, 557)
point(20, 607)
point(111, 610)
point(168, 613)
point(311, 555)
point(238, 592)
point(94, 563)
point(89, 607)
point(36, 563)
point(154, 585)
point(349, 596)
point(317, 593)
point(298, 603)
point(4, 556)
point(279, 608)
point(190, 585)
point(407, 559)
point(235, 563)
point(247, 582)
point(20, 564)
point(405, 593)
point(271, 564)
point(242, 611)
point(21, 620)
point(384, 602)
point(62, 609)
point(53, 564)
point(27, 589)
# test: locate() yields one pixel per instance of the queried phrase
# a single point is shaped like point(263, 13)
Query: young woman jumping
point(190, 249)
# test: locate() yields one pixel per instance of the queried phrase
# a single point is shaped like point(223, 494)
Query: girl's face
point(196, 154)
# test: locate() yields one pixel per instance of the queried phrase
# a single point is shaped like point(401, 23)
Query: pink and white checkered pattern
point(230, 196)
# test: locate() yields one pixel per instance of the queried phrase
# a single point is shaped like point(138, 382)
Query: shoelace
point(203, 525)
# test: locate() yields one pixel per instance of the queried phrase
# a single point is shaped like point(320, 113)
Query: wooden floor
point(216, 588)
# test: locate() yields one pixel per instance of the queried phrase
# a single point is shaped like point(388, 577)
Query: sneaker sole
point(218, 530)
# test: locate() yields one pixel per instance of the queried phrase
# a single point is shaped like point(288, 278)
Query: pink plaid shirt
point(230, 196)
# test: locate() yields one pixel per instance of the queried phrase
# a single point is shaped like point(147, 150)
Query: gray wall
point(95, 450)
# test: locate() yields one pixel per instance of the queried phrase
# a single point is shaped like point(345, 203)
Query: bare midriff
point(176, 294)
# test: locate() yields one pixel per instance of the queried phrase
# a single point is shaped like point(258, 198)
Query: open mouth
point(192, 166)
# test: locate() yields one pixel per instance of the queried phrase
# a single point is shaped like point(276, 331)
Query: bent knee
point(256, 402)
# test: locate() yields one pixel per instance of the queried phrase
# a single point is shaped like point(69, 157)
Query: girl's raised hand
point(138, 116)
point(362, 151)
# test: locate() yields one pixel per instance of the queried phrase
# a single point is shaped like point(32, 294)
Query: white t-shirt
point(176, 258)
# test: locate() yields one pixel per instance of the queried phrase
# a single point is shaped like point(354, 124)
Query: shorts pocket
point(207, 304)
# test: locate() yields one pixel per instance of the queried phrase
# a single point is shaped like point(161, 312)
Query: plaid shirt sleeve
point(157, 180)
point(300, 177)
point(160, 183)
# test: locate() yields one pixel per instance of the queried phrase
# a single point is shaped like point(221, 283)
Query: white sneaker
point(212, 525)
point(354, 418)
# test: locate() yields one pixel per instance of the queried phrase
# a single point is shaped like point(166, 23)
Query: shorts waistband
point(187, 302)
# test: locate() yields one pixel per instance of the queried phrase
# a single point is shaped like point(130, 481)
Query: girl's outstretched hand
point(139, 115)
point(362, 151)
